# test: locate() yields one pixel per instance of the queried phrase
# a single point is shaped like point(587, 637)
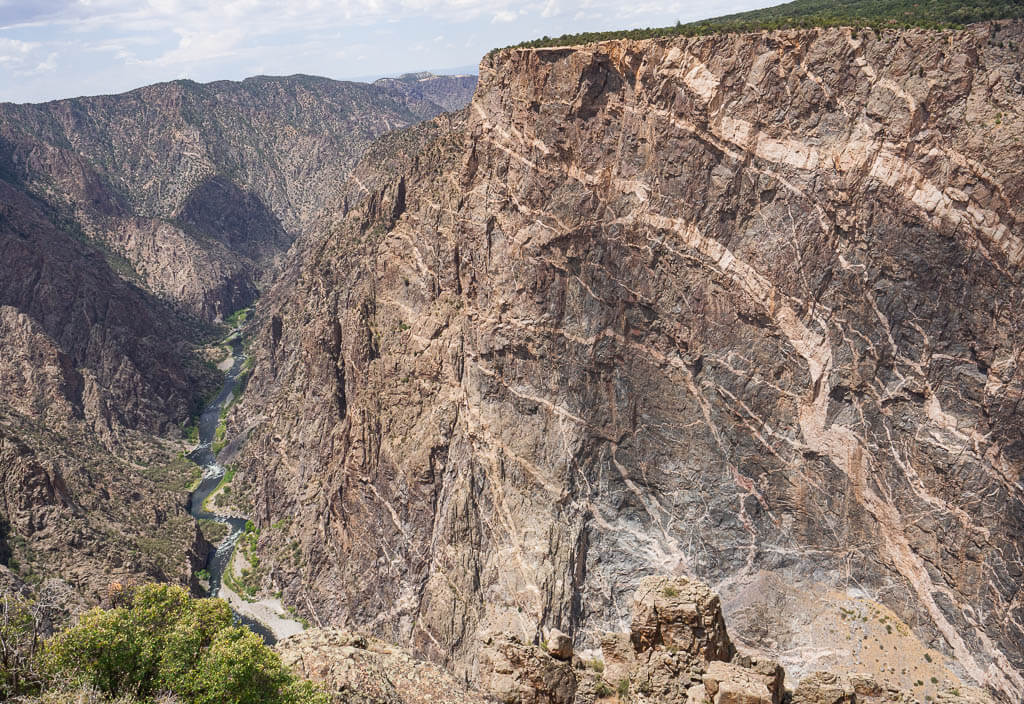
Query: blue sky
point(62, 48)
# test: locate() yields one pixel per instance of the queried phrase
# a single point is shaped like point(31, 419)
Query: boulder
point(824, 688)
point(514, 672)
point(559, 644)
point(731, 683)
point(680, 614)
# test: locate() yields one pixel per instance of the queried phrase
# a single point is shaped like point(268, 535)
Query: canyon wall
point(744, 307)
point(199, 188)
point(94, 374)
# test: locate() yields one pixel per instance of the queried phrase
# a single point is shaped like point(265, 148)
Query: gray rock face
point(722, 306)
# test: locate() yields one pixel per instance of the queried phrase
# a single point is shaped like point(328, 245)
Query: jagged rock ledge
point(676, 652)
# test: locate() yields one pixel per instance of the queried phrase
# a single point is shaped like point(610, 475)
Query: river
point(220, 559)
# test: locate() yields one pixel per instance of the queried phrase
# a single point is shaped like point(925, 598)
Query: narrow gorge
point(266, 618)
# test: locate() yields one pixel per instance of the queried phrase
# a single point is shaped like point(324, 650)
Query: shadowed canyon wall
point(199, 188)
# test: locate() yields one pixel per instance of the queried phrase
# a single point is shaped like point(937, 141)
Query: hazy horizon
point(369, 78)
point(53, 49)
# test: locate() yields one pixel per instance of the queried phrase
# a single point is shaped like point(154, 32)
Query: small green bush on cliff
point(162, 641)
point(20, 641)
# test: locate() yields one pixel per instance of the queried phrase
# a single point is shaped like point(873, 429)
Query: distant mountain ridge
point(225, 172)
point(448, 92)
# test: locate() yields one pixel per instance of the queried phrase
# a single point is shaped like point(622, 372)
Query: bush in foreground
point(163, 642)
point(20, 641)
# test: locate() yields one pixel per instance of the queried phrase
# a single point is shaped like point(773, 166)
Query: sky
point(53, 49)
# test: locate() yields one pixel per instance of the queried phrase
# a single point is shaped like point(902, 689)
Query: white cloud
point(50, 64)
point(199, 46)
point(550, 9)
point(503, 16)
point(16, 47)
point(21, 58)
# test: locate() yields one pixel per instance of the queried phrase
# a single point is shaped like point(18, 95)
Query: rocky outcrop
point(700, 666)
point(521, 673)
point(824, 688)
point(708, 670)
point(734, 306)
point(728, 683)
point(358, 670)
point(678, 650)
point(681, 615)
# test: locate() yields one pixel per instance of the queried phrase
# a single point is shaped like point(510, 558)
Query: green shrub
point(162, 640)
point(19, 636)
point(237, 318)
point(623, 688)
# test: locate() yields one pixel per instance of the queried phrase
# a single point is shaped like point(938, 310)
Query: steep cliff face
point(120, 358)
point(746, 307)
point(201, 187)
